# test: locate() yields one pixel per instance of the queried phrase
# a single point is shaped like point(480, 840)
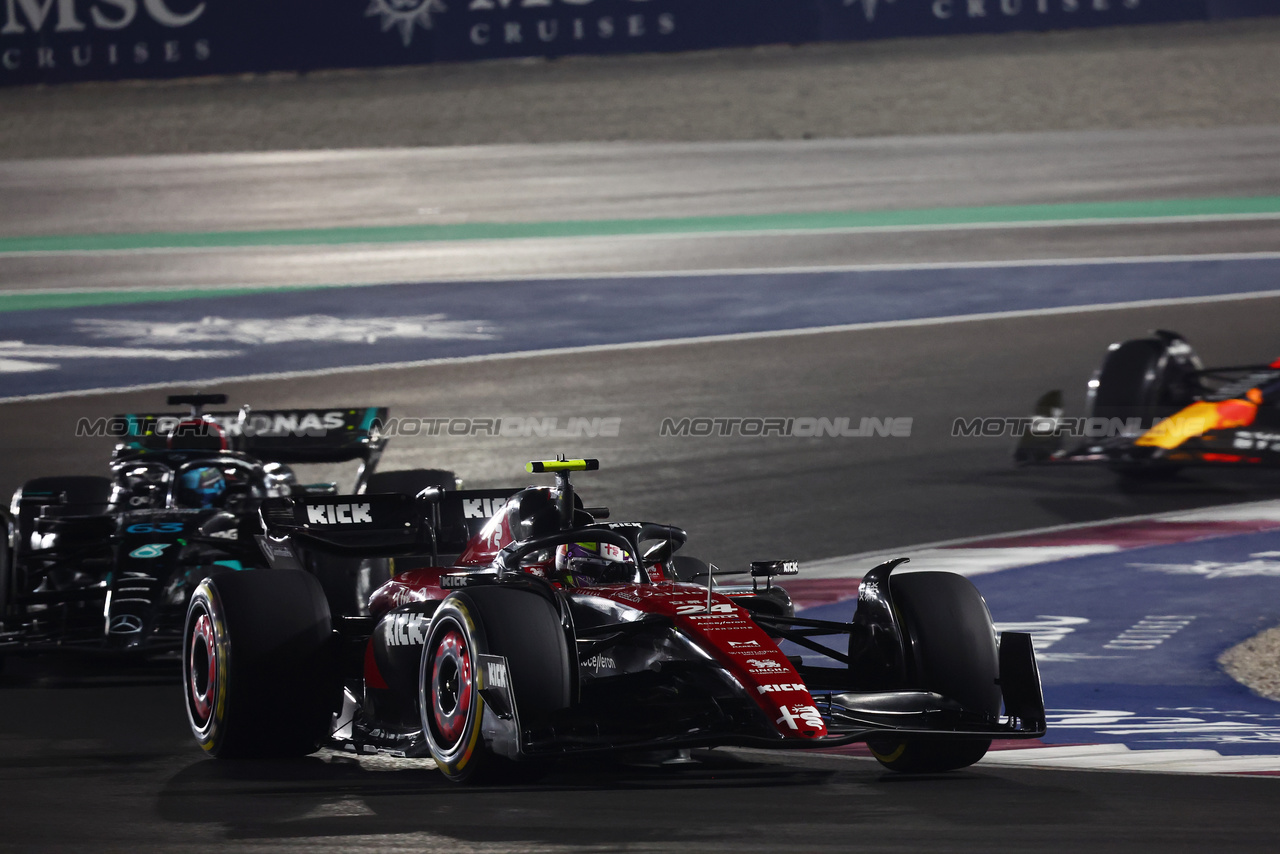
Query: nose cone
point(127, 629)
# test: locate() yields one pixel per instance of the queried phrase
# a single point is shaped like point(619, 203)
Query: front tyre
point(259, 674)
point(951, 650)
point(452, 708)
point(918, 756)
point(522, 627)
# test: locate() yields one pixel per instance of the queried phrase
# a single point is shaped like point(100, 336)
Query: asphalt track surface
point(99, 759)
point(264, 194)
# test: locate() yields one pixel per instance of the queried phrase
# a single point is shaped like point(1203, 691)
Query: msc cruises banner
point(68, 40)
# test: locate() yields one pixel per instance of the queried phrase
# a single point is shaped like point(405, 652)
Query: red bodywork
point(720, 628)
point(727, 634)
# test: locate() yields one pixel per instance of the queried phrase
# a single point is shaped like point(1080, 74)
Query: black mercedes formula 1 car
point(108, 563)
point(1154, 408)
point(531, 629)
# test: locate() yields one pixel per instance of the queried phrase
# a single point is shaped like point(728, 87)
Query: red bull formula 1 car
point(1154, 408)
point(532, 629)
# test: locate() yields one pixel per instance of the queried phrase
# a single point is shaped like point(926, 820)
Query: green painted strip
point(81, 299)
point(1012, 214)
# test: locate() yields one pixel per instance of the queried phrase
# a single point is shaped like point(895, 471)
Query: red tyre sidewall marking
point(202, 702)
point(452, 647)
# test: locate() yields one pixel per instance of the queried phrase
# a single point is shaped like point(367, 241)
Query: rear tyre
point(951, 649)
point(1146, 378)
point(519, 625)
point(259, 667)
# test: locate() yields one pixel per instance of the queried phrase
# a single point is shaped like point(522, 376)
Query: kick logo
point(404, 14)
point(405, 629)
point(338, 514)
point(782, 686)
point(481, 508)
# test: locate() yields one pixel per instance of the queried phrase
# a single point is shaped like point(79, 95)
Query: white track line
point(852, 566)
point(966, 562)
point(1118, 757)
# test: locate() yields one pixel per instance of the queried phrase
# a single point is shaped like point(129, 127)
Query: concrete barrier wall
point(54, 41)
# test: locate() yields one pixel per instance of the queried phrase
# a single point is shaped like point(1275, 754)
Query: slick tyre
point(951, 650)
point(259, 665)
point(1144, 378)
point(522, 627)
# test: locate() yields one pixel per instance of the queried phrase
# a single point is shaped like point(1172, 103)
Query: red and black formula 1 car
point(1154, 408)
point(108, 563)
point(553, 633)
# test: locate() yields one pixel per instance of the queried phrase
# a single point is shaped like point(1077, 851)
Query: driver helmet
point(203, 486)
point(589, 564)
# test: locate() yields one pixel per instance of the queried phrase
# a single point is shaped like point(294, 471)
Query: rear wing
point(460, 515)
point(352, 525)
point(433, 522)
point(331, 435)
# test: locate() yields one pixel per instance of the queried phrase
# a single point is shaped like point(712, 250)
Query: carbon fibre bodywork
point(658, 662)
